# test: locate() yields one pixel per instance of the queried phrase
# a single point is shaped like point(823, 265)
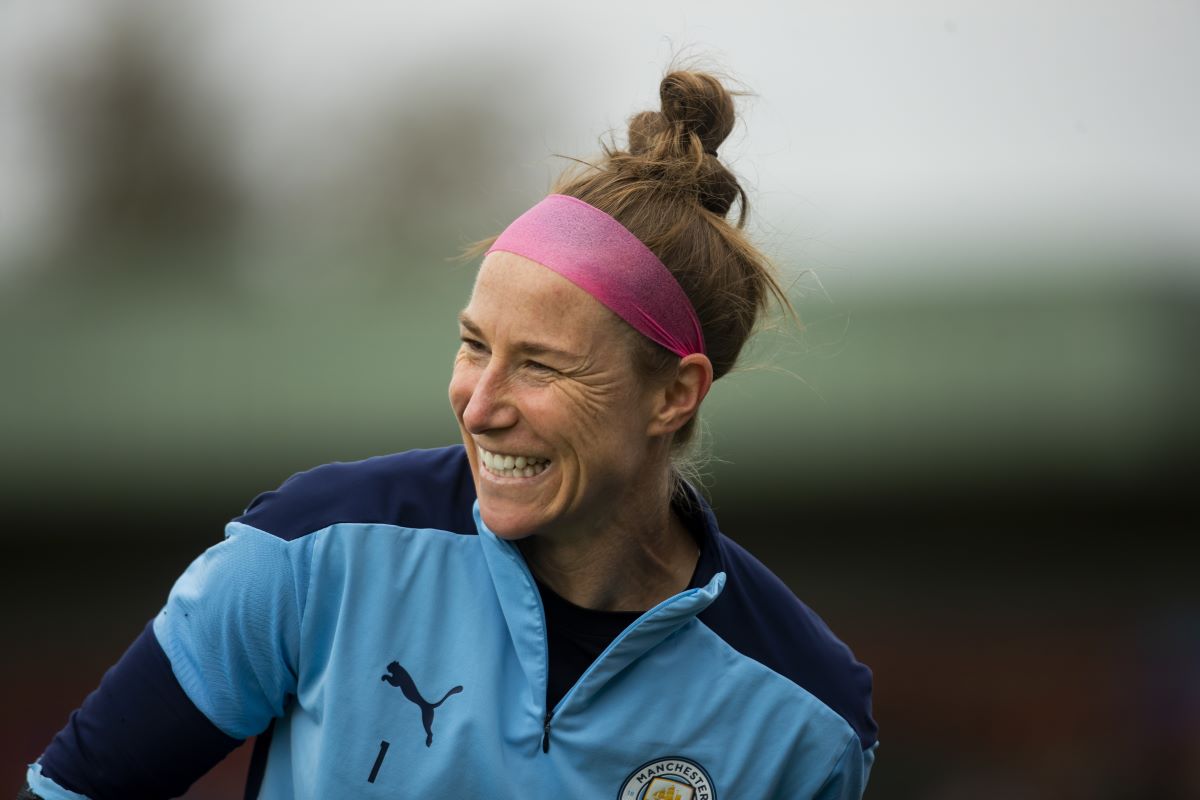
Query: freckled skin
point(583, 409)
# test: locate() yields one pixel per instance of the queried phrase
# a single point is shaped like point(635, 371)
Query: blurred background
point(226, 242)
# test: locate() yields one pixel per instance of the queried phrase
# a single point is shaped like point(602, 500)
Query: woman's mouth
point(508, 465)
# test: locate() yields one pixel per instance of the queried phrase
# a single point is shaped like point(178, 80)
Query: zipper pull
point(546, 732)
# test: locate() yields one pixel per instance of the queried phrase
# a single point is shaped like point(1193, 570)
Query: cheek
point(593, 422)
point(462, 384)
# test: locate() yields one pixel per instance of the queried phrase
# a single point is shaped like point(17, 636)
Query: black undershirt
point(577, 636)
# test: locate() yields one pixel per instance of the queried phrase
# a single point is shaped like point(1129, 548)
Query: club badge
point(672, 778)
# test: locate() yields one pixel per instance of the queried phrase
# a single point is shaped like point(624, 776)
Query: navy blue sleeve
point(760, 617)
point(137, 734)
point(416, 489)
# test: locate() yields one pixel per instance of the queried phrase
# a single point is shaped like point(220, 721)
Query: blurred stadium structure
point(224, 234)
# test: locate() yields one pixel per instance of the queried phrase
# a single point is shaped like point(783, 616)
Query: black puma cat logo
point(398, 676)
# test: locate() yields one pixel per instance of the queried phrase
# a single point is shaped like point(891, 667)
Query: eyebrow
point(531, 348)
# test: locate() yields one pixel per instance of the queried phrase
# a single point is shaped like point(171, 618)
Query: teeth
point(510, 466)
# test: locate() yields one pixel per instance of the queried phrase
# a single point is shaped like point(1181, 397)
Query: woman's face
point(553, 416)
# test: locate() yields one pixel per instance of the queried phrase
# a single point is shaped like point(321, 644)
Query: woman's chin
point(505, 523)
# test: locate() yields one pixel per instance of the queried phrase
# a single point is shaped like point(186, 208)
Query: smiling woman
point(556, 605)
point(575, 447)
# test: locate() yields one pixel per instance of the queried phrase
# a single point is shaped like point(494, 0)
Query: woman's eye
point(474, 345)
point(538, 366)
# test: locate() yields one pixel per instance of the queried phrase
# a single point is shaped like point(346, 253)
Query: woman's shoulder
point(762, 618)
point(415, 488)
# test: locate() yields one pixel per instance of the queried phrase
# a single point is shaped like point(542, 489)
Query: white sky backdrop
point(875, 124)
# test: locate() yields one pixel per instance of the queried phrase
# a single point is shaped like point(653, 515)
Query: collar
point(521, 605)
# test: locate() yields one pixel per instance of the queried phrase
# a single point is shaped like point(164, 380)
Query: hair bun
point(675, 148)
point(697, 103)
point(645, 129)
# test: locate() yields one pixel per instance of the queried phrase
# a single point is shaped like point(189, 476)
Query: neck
point(631, 563)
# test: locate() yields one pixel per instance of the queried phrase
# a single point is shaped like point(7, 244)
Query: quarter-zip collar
point(522, 608)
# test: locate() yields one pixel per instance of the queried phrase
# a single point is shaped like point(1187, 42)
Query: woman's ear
point(678, 400)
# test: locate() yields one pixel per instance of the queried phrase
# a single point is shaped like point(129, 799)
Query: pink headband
point(599, 255)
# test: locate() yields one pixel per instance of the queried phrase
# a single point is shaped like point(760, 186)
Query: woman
point(548, 610)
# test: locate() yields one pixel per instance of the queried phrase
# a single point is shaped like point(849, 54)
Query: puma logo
point(398, 676)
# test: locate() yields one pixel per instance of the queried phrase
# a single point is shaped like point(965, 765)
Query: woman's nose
point(489, 407)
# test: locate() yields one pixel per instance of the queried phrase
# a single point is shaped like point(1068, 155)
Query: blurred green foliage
point(158, 379)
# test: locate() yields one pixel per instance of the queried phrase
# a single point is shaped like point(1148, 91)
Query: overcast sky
point(874, 122)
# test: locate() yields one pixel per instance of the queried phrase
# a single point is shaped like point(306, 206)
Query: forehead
point(513, 293)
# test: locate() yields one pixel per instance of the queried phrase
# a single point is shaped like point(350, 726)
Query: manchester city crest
point(672, 778)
